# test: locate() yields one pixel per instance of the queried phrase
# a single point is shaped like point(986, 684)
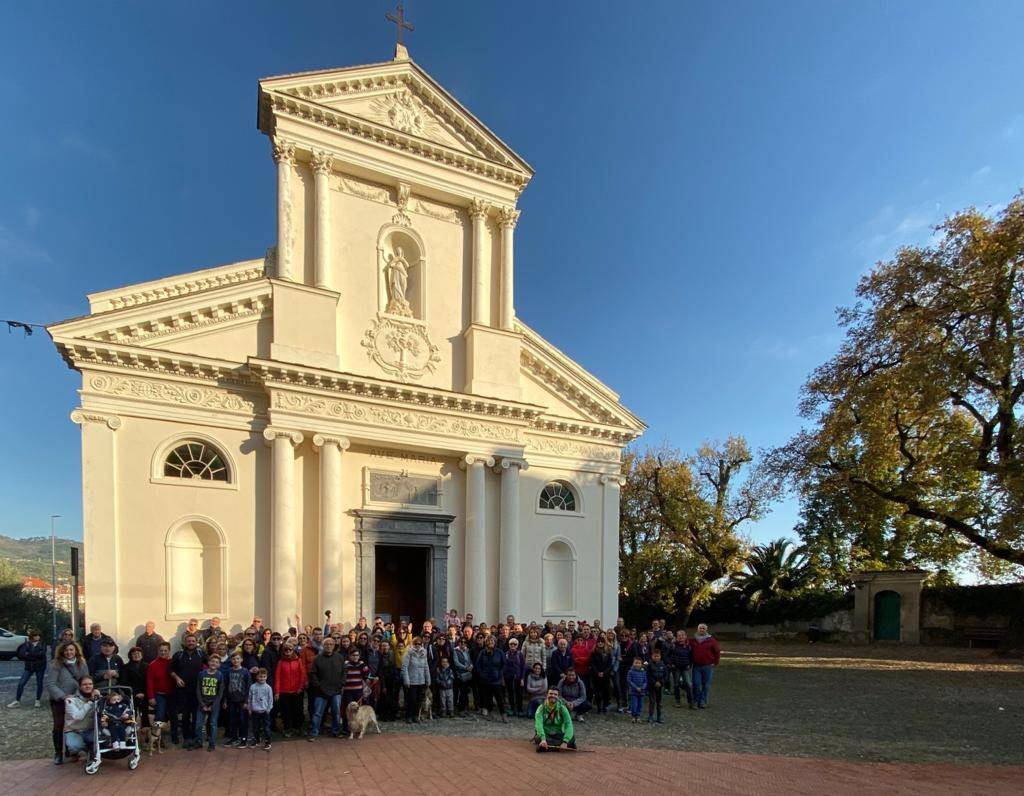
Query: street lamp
point(53, 570)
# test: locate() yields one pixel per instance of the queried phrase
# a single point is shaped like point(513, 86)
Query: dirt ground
point(882, 704)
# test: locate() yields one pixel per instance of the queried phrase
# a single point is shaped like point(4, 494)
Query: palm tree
point(771, 569)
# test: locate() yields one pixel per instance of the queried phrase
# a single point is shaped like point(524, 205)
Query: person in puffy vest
point(657, 677)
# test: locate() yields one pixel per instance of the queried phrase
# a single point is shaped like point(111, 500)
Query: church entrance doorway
point(401, 578)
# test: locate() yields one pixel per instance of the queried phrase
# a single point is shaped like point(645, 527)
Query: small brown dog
point(427, 707)
point(360, 717)
point(152, 738)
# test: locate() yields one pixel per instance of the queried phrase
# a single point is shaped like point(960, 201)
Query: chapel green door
point(887, 616)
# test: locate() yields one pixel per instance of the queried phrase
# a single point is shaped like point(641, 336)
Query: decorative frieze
point(571, 449)
point(172, 393)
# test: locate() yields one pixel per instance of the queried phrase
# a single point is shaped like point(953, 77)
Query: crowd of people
point(301, 681)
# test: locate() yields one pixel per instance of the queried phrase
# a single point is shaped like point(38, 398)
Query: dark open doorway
point(400, 578)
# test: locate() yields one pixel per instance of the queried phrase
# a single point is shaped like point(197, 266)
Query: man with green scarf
point(553, 724)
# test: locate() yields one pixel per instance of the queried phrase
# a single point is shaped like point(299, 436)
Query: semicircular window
point(558, 496)
point(196, 460)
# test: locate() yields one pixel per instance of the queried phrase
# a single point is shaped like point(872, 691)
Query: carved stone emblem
point(401, 347)
point(405, 113)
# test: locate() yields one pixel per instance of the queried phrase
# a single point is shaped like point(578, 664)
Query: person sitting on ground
point(552, 724)
point(574, 694)
point(79, 730)
point(536, 689)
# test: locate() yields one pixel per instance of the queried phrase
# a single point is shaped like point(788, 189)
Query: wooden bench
point(983, 634)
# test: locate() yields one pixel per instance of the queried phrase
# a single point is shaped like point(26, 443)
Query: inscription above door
point(401, 489)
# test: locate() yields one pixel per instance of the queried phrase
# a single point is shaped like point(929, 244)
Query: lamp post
point(53, 570)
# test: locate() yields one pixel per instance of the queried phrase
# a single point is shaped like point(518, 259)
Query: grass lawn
point(906, 704)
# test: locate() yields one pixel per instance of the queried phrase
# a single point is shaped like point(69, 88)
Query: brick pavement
point(400, 763)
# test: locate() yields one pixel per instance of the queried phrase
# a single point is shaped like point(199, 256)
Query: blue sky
point(711, 178)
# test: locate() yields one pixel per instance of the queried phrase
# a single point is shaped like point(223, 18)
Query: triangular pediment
point(397, 96)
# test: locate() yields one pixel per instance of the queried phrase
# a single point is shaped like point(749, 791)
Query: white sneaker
point(14, 704)
point(484, 713)
point(37, 703)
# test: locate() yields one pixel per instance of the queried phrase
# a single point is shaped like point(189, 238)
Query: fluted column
point(284, 157)
point(508, 576)
point(481, 307)
point(284, 563)
point(321, 163)
point(336, 569)
point(610, 548)
point(476, 543)
point(507, 219)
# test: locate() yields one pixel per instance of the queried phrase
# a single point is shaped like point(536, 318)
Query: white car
point(9, 643)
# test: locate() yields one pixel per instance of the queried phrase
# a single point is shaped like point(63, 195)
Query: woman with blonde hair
point(62, 677)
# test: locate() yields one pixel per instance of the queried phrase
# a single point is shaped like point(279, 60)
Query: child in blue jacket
point(636, 682)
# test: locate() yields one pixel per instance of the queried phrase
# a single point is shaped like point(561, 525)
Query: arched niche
point(401, 249)
point(558, 579)
point(195, 556)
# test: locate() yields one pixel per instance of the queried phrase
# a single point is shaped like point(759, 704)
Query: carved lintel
point(322, 440)
point(270, 433)
point(81, 417)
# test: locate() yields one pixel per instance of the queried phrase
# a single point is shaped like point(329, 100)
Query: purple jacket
point(515, 665)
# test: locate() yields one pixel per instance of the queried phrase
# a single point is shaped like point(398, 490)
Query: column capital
point(270, 433)
point(476, 458)
point(478, 208)
point(323, 440)
point(81, 417)
point(282, 150)
point(508, 217)
point(616, 480)
point(321, 162)
point(508, 462)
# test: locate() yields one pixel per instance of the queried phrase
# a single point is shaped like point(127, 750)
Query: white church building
point(357, 421)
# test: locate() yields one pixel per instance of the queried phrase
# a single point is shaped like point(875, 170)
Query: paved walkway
point(396, 763)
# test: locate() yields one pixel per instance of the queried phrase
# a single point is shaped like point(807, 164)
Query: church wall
point(235, 343)
point(148, 511)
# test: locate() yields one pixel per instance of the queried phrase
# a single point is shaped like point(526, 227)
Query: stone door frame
point(406, 529)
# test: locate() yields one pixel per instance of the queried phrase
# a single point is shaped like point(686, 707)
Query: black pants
point(413, 697)
point(57, 709)
point(493, 693)
point(653, 699)
point(291, 711)
point(601, 696)
point(623, 695)
point(514, 691)
point(462, 690)
point(187, 705)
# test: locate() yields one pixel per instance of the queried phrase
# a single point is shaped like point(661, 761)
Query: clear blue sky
point(711, 179)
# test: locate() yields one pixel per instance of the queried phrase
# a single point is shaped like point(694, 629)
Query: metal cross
point(400, 21)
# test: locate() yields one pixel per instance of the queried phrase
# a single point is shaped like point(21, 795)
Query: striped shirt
point(355, 676)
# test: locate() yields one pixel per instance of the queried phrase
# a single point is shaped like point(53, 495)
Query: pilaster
point(476, 540)
point(322, 163)
point(285, 565)
point(507, 219)
point(509, 582)
point(284, 156)
point(481, 306)
point(612, 485)
point(336, 552)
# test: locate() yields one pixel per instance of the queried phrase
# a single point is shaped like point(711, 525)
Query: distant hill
point(31, 557)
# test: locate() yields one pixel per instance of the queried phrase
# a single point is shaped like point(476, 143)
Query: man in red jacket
point(706, 654)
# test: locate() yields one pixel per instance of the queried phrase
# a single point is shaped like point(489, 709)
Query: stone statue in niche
point(396, 277)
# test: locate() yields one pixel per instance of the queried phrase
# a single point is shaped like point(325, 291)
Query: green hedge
point(728, 606)
point(999, 600)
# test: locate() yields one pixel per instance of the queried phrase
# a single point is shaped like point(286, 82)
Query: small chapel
point(356, 421)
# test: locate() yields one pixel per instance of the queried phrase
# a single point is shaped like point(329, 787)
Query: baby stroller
point(102, 746)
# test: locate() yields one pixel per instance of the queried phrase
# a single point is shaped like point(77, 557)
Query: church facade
point(357, 421)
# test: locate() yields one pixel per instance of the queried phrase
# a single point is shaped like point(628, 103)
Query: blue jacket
point(637, 679)
point(515, 665)
point(98, 664)
point(490, 666)
point(680, 656)
point(34, 656)
point(561, 662)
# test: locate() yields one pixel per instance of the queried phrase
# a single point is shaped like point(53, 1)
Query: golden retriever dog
point(360, 717)
point(152, 738)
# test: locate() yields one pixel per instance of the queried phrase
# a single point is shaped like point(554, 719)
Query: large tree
point(682, 520)
point(920, 406)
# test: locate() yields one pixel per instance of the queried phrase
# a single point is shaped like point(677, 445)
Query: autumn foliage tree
point(682, 521)
point(920, 407)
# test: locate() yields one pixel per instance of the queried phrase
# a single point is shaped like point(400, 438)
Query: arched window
point(558, 496)
point(558, 580)
point(196, 568)
point(198, 460)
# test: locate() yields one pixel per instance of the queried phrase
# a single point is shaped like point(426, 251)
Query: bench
point(987, 634)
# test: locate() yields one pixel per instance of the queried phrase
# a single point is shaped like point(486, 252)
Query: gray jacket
point(415, 670)
point(61, 679)
point(572, 694)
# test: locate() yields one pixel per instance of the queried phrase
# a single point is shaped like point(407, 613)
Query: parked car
point(9, 643)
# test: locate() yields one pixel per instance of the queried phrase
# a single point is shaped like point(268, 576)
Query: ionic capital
point(470, 459)
point(270, 433)
point(614, 480)
point(508, 462)
point(282, 150)
point(508, 217)
point(81, 417)
point(321, 162)
point(478, 208)
point(322, 440)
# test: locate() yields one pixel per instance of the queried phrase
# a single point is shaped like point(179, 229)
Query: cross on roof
point(400, 21)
